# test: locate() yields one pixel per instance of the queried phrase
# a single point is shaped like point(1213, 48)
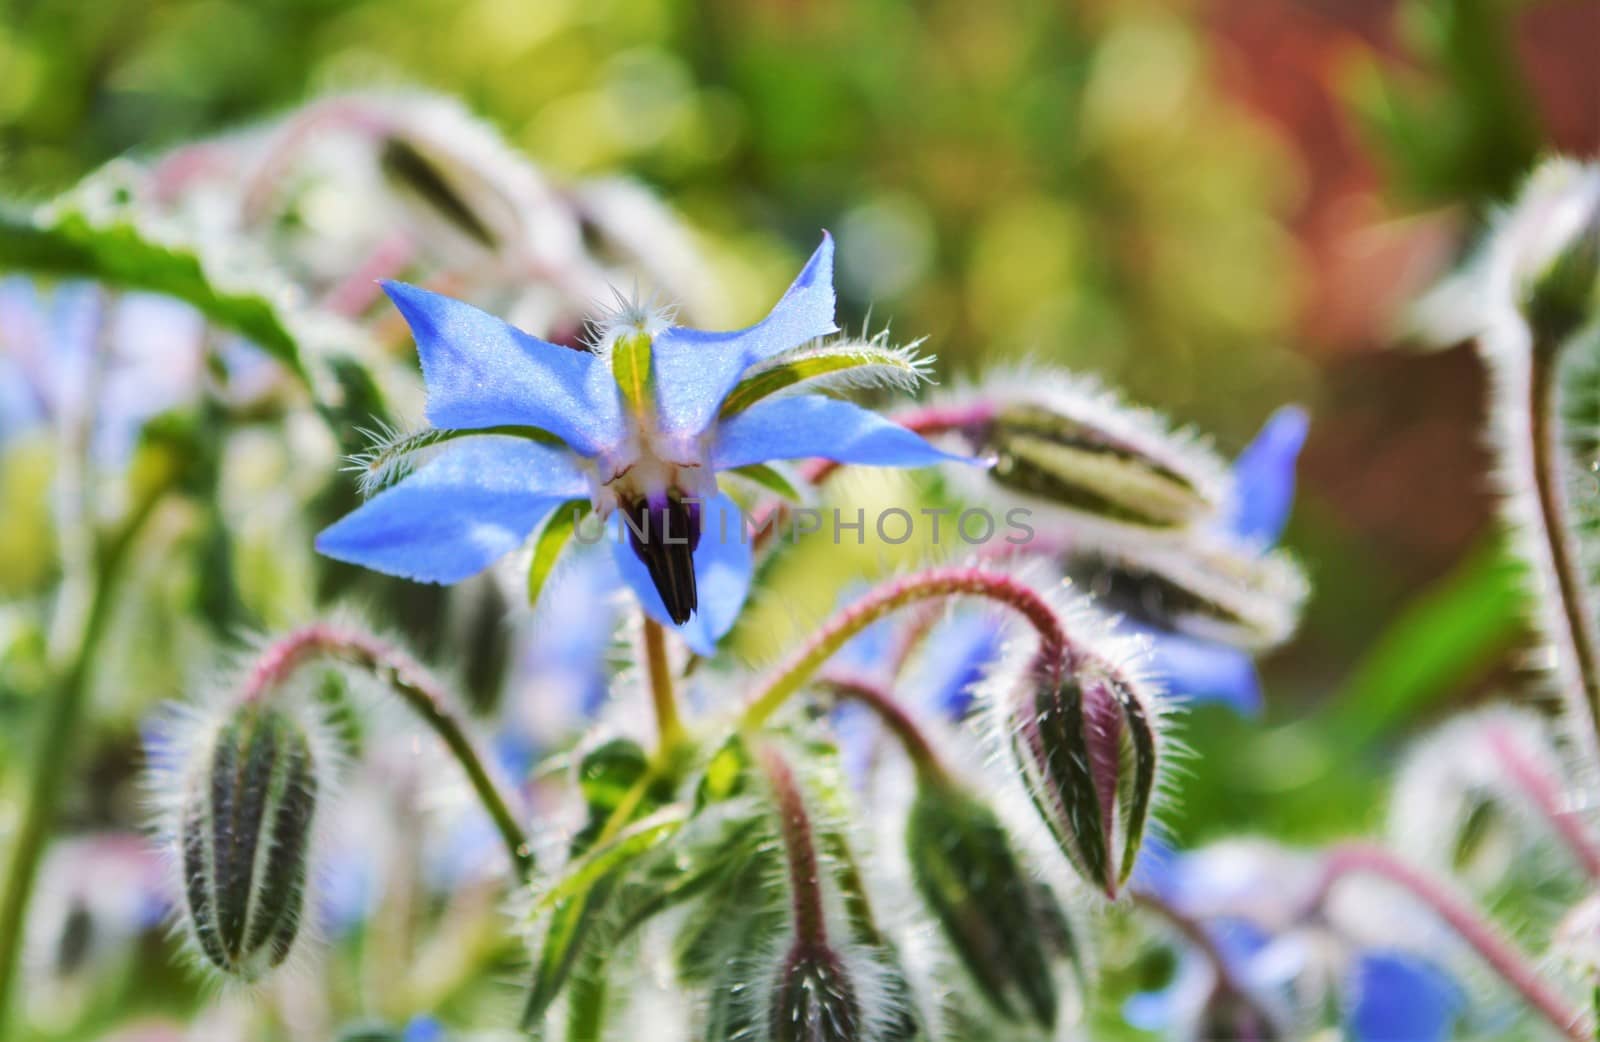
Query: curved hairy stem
point(1544, 791)
point(1570, 620)
point(416, 687)
point(1226, 981)
point(794, 825)
point(1502, 956)
point(893, 716)
point(1054, 655)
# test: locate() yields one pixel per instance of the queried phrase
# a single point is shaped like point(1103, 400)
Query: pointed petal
point(810, 425)
point(722, 565)
point(1263, 478)
point(482, 372)
point(1199, 671)
point(458, 514)
point(695, 370)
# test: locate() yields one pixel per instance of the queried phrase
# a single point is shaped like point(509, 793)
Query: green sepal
point(770, 478)
point(553, 538)
point(630, 366)
point(970, 878)
point(872, 363)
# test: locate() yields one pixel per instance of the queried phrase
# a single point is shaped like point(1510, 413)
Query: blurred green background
point(1220, 206)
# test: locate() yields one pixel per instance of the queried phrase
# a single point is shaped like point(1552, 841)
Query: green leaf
point(96, 233)
point(1444, 638)
point(832, 366)
point(553, 539)
point(570, 922)
point(586, 999)
point(626, 846)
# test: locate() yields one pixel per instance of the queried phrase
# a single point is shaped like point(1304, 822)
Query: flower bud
point(964, 867)
point(1204, 589)
point(244, 835)
point(1077, 448)
point(1086, 745)
point(814, 998)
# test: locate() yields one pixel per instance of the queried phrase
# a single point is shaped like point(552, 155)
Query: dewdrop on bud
point(1086, 745)
point(244, 819)
point(1076, 447)
point(988, 905)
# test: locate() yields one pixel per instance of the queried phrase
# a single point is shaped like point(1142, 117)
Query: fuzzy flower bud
point(818, 990)
point(244, 821)
point(813, 999)
point(965, 869)
point(1086, 745)
point(1076, 447)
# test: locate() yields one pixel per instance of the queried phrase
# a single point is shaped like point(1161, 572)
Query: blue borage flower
point(1244, 894)
point(1200, 667)
point(637, 426)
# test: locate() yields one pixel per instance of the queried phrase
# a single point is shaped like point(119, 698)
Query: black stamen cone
point(664, 533)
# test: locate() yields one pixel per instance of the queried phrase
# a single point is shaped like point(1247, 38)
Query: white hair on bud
point(184, 735)
point(393, 453)
point(625, 314)
point(1094, 636)
point(1454, 775)
point(1259, 596)
point(864, 362)
point(1558, 200)
point(1482, 299)
point(1085, 400)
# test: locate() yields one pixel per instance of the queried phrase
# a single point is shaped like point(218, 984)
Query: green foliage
point(98, 232)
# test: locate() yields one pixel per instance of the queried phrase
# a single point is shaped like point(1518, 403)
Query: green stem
point(417, 688)
point(659, 668)
point(1571, 624)
point(1054, 656)
point(54, 750)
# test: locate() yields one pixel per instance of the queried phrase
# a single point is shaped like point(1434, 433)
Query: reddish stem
point(894, 716)
point(1055, 657)
point(805, 878)
point(1509, 964)
point(414, 684)
point(1545, 794)
point(357, 291)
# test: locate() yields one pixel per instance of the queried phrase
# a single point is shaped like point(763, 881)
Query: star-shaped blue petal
point(460, 513)
point(482, 372)
point(697, 369)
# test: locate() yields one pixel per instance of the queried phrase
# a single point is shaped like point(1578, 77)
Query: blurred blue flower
point(955, 658)
point(1243, 895)
point(1199, 670)
point(1397, 997)
point(424, 1029)
point(85, 358)
point(640, 426)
